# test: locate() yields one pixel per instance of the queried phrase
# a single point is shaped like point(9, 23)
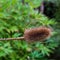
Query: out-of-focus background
point(18, 15)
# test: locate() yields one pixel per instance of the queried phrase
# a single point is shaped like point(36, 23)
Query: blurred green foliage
point(57, 8)
point(15, 17)
point(56, 28)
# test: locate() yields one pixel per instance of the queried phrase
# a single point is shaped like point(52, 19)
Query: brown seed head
point(37, 34)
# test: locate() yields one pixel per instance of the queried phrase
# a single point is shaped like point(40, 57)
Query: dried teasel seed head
point(37, 34)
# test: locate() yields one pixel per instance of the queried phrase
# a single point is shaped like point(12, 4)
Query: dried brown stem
point(18, 38)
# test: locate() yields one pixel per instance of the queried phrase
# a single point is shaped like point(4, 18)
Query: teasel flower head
point(37, 34)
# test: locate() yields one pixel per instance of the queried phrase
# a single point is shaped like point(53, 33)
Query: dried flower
point(37, 34)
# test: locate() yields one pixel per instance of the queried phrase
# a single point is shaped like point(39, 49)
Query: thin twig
point(18, 38)
point(42, 8)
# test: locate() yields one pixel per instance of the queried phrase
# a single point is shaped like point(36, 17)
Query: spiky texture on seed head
point(37, 34)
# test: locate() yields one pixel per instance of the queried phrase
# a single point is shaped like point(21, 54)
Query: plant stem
point(18, 38)
point(42, 8)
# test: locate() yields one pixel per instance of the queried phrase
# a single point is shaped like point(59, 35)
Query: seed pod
point(37, 34)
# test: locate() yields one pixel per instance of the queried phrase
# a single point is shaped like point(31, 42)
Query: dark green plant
point(57, 9)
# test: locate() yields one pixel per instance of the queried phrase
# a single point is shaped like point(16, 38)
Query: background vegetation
point(15, 17)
